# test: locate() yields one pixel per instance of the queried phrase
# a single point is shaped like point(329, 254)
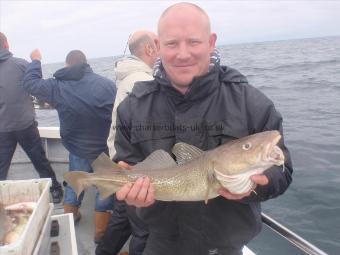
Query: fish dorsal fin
point(185, 152)
point(104, 165)
point(156, 160)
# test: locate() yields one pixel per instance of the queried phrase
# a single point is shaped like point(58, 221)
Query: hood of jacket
point(72, 73)
point(5, 54)
point(128, 65)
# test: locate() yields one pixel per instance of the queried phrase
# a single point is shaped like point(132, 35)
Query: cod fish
point(196, 176)
point(25, 207)
point(13, 220)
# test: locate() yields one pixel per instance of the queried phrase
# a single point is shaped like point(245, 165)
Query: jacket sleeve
point(121, 94)
point(125, 87)
point(263, 116)
point(33, 83)
point(125, 150)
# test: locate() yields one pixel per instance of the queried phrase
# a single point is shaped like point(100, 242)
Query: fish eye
point(246, 146)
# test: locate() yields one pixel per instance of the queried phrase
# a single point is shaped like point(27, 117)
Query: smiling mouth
point(188, 65)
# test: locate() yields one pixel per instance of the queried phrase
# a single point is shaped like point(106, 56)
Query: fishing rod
point(127, 43)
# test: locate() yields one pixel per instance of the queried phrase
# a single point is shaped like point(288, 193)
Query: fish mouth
point(273, 153)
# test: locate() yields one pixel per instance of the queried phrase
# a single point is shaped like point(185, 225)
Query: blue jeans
point(70, 198)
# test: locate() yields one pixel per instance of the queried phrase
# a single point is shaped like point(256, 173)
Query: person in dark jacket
point(17, 121)
point(198, 102)
point(84, 102)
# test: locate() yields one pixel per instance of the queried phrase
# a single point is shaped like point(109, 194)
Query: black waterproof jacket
point(16, 106)
point(84, 101)
point(218, 107)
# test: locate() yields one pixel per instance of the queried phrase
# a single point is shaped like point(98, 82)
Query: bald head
point(75, 57)
point(3, 41)
point(184, 10)
point(142, 45)
point(139, 39)
point(184, 44)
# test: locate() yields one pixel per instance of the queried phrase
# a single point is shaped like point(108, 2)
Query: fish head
point(255, 152)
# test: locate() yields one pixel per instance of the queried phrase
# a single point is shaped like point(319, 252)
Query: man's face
point(184, 46)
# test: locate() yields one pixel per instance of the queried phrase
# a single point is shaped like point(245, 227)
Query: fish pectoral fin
point(104, 165)
point(156, 160)
point(106, 190)
point(185, 152)
point(210, 182)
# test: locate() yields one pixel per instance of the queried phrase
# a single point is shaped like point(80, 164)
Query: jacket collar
point(72, 73)
point(128, 65)
point(5, 54)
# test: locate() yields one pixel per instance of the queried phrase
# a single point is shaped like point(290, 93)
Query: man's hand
point(35, 55)
point(258, 179)
point(125, 165)
point(139, 194)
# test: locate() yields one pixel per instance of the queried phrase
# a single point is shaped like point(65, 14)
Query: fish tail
point(77, 180)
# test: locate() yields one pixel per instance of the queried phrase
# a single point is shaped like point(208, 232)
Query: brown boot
point(74, 210)
point(101, 219)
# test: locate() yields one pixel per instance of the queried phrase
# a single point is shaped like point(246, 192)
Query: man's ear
point(212, 41)
point(149, 50)
point(6, 45)
point(158, 45)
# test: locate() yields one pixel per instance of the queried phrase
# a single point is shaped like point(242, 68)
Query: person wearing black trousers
point(18, 123)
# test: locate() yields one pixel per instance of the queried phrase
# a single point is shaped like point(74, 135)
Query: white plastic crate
point(67, 235)
point(35, 190)
point(44, 236)
point(66, 238)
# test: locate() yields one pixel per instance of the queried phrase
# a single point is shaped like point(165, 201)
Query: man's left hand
point(35, 55)
point(258, 179)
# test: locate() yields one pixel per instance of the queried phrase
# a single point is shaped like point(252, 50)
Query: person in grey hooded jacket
point(18, 123)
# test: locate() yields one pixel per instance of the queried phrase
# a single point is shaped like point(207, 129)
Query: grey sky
point(101, 28)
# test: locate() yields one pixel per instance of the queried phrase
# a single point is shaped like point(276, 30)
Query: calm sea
point(302, 77)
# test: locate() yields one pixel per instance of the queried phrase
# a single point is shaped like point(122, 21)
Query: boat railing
point(296, 240)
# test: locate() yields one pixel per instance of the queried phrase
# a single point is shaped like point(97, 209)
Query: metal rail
point(292, 237)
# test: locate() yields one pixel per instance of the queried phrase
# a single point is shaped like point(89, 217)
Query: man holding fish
point(191, 87)
point(208, 201)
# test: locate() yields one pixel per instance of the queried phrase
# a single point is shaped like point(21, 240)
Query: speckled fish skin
point(196, 176)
